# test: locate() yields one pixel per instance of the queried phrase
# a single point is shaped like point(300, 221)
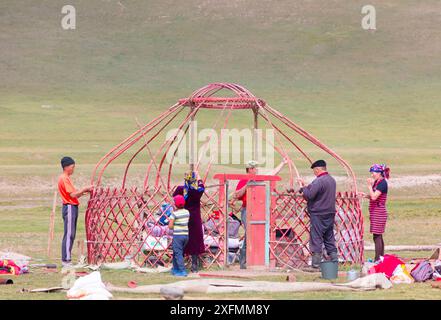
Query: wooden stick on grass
point(52, 223)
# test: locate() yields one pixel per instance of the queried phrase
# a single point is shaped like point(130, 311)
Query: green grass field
point(372, 96)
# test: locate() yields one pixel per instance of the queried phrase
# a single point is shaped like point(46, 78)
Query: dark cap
point(319, 163)
point(67, 161)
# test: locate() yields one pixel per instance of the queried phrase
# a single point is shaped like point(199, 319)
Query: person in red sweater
point(241, 194)
point(69, 195)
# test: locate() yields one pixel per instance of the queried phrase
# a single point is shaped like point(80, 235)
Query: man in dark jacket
point(320, 196)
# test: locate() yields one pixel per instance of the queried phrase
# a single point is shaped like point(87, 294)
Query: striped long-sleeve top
point(180, 225)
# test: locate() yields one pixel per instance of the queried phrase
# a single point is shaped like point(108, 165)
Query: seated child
point(164, 213)
point(179, 224)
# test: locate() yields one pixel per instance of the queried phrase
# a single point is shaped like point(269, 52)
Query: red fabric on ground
point(9, 267)
point(388, 265)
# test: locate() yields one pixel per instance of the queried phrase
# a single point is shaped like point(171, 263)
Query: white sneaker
point(66, 264)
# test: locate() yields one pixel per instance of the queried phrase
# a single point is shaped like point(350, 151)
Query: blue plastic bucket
point(353, 275)
point(329, 269)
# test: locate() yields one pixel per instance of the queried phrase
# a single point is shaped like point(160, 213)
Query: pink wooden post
point(259, 203)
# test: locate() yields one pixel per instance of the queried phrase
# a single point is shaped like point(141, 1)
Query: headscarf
point(381, 168)
point(191, 183)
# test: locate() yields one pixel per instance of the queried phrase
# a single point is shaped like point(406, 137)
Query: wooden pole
point(255, 135)
point(226, 215)
point(192, 136)
point(52, 223)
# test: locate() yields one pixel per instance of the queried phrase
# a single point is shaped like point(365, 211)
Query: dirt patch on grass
point(19, 206)
point(27, 191)
point(415, 181)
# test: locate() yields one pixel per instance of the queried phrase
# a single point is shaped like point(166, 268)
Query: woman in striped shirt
point(378, 188)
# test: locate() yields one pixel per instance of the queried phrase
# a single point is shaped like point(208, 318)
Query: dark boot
point(194, 263)
point(243, 257)
point(316, 259)
point(334, 256)
point(243, 262)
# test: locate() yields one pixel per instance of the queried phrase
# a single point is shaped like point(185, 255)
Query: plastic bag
point(437, 272)
point(89, 287)
point(401, 275)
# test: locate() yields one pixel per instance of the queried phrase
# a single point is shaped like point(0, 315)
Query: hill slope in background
point(371, 95)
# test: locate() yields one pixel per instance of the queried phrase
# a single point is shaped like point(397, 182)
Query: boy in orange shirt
point(70, 196)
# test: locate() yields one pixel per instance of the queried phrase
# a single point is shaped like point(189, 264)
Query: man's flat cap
point(318, 163)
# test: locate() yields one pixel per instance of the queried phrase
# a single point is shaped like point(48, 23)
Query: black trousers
point(322, 232)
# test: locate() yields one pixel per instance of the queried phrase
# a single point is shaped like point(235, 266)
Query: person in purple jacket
point(192, 190)
point(320, 196)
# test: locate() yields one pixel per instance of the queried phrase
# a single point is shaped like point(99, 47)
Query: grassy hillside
point(371, 95)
